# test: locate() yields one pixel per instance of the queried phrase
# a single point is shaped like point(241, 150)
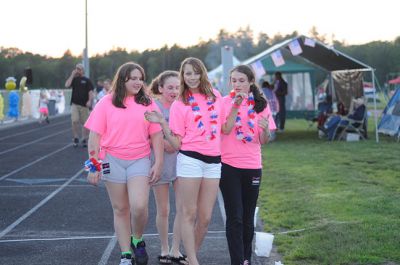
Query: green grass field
point(344, 197)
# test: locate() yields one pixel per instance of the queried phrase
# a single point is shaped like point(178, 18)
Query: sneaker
point(84, 143)
point(141, 256)
point(75, 142)
point(126, 259)
point(246, 262)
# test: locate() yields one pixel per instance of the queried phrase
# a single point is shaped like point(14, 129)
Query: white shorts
point(188, 167)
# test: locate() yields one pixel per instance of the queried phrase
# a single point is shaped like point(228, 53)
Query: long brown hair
point(205, 86)
point(260, 101)
point(118, 86)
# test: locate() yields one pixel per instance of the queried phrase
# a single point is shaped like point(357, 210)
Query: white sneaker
point(126, 259)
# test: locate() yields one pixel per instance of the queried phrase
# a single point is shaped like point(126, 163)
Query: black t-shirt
point(81, 86)
point(282, 88)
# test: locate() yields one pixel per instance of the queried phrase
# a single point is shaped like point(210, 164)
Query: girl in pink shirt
point(121, 137)
point(195, 124)
point(166, 88)
point(241, 161)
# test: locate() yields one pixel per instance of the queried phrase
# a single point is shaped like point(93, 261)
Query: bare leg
point(118, 195)
point(161, 194)
point(176, 237)
point(188, 189)
point(206, 201)
point(138, 191)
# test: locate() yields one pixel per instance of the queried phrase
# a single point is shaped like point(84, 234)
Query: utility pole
point(85, 51)
point(227, 65)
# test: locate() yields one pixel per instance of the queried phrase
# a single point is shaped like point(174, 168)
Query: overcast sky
point(50, 27)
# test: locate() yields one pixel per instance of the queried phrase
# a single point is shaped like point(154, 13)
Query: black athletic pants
point(281, 116)
point(239, 189)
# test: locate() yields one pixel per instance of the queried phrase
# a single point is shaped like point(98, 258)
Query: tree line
point(50, 72)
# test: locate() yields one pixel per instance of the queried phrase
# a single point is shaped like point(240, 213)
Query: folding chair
point(352, 126)
point(311, 118)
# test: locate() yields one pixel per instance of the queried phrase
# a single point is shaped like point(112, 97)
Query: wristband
point(92, 165)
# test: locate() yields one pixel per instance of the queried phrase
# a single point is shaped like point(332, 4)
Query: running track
point(50, 215)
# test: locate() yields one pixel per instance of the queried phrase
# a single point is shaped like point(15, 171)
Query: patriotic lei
point(251, 122)
point(197, 116)
point(92, 165)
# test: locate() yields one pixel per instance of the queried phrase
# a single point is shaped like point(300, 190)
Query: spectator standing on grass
point(281, 91)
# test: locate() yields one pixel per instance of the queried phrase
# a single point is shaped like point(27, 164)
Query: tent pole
point(375, 111)
point(332, 86)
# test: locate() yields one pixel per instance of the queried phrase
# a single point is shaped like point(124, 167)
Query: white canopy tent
point(323, 56)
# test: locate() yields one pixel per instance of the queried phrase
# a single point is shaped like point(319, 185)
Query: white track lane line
point(32, 142)
point(32, 130)
point(91, 237)
point(40, 204)
point(107, 251)
point(113, 241)
point(46, 186)
point(34, 162)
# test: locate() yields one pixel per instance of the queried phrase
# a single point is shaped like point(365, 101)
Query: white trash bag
point(263, 244)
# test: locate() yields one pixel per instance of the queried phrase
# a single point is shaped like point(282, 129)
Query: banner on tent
point(309, 42)
point(277, 58)
point(258, 69)
point(295, 47)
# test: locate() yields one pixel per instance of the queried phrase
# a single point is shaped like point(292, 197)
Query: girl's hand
point(93, 177)
point(239, 98)
point(168, 148)
point(263, 123)
point(153, 116)
point(155, 174)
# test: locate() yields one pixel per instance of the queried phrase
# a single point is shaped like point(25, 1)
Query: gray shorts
point(168, 174)
point(120, 171)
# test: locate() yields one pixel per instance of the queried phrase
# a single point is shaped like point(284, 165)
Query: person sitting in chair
point(336, 120)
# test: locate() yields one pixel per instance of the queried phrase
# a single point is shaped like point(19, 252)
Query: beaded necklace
point(251, 122)
point(197, 116)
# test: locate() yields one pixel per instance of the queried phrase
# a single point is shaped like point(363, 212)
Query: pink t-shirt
point(244, 155)
point(125, 133)
point(182, 122)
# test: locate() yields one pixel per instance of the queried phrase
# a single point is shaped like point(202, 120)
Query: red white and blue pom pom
point(92, 165)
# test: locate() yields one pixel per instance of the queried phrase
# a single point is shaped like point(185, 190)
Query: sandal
point(164, 259)
point(180, 260)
